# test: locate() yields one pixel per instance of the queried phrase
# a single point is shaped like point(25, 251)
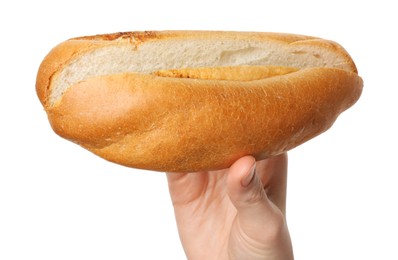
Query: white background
point(58, 201)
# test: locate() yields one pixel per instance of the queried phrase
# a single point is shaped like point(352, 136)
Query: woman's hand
point(236, 213)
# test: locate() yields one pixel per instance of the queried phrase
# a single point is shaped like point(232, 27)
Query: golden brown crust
point(235, 73)
point(183, 120)
point(169, 124)
point(145, 36)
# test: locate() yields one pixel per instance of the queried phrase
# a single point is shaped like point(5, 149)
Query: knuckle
point(257, 196)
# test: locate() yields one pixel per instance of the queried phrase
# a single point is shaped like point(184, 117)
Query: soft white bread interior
point(80, 84)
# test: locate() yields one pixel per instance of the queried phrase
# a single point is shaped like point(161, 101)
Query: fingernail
point(248, 179)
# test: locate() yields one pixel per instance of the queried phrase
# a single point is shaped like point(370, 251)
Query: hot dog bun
point(181, 101)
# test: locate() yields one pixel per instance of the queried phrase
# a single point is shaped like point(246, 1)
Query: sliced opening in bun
point(180, 53)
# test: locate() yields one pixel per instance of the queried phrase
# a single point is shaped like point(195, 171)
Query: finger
point(184, 187)
point(246, 192)
point(174, 177)
point(274, 178)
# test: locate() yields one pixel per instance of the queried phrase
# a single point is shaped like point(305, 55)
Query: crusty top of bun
point(194, 100)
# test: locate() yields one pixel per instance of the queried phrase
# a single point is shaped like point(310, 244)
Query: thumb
point(255, 212)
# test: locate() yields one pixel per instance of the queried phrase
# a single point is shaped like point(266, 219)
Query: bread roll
point(182, 101)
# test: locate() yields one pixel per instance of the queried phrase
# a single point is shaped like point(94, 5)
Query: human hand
point(236, 213)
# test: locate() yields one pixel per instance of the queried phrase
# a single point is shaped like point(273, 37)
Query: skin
point(231, 213)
